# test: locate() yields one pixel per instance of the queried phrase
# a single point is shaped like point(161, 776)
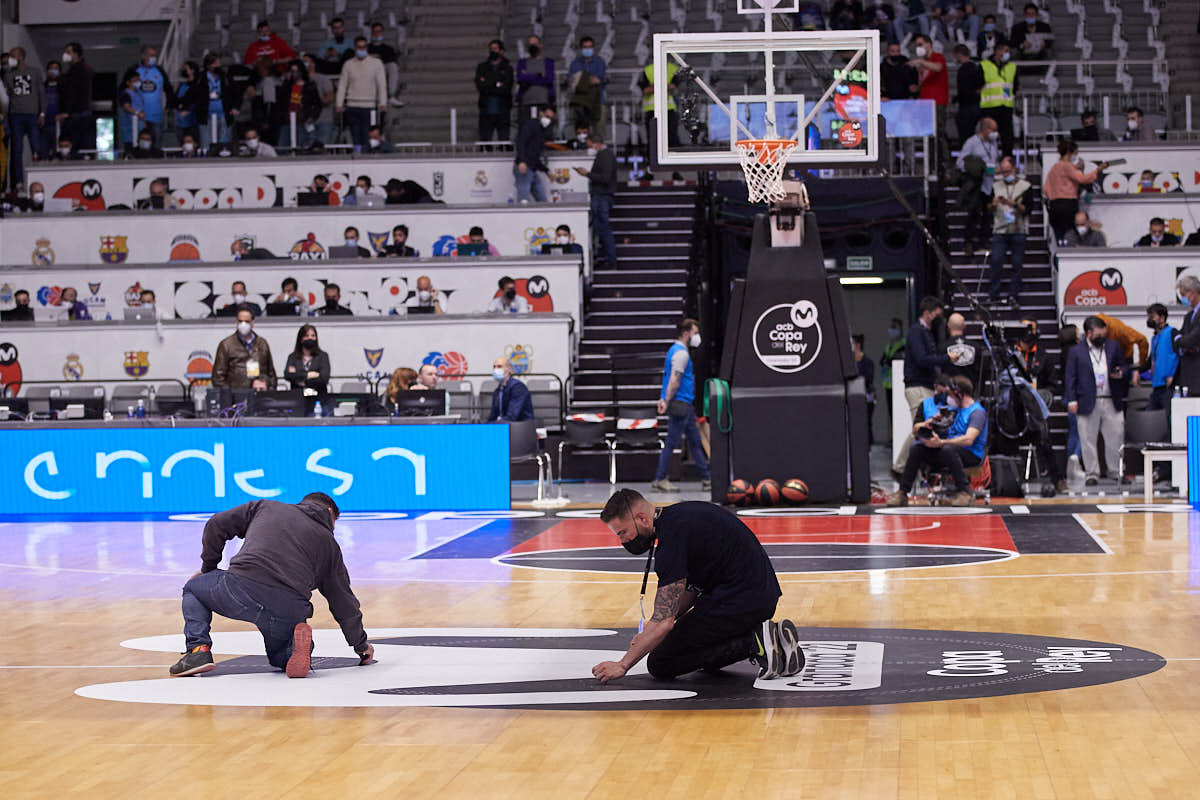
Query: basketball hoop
point(763, 161)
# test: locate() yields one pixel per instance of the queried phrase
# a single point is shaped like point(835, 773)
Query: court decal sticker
point(551, 669)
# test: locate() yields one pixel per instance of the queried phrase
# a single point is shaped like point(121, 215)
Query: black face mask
point(510, 292)
point(309, 344)
point(22, 304)
point(641, 543)
point(331, 301)
point(534, 51)
point(1152, 325)
point(493, 56)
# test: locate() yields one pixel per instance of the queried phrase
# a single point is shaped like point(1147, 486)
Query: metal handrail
point(150, 382)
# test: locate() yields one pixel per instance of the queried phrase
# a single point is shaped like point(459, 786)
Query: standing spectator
point(866, 371)
point(531, 136)
point(210, 114)
point(1163, 360)
point(1090, 131)
point(361, 89)
point(75, 106)
point(323, 127)
point(967, 23)
point(244, 359)
point(969, 82)
point(255, 147)
point(267, 97)
point(240, 76)
point(846, 15)
point(333, 303)
point(935, 81)
point(268, 46)
point(1032, 40)
point(1136, 128)
point(587, 77)
point(916, 19)
point(898, 80)
point(646, 84)
point(977, 160)
point(338, 46)
point(75, 309)
point(494, 82)
point(298, 95)
point(602, 183)
point(535, 79)
point(507, 301)
point(1085, 233)
point(989, 38)
point(1187, 344)
point(399, 247)
point(1062, 185)
point(893, 350)
point(677, 400)
point(308, 365)
point(510, 401)
point(922, 361)
point(1158, 235)
point(129, 114)
point(48, 132)
point(391, 67)
point(810, 16)
point(1011, 201)
point(156, 91)
point(26, 112)
point(996, 99)
point(190, 100)
point(1096, 378)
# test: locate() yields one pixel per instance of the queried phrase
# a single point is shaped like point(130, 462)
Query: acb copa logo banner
point(364, 468)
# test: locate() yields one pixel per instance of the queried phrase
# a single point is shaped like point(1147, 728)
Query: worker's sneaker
point(962, 499)
point(706, 486)
point(198, 659)
point(664, 485)
point(793, 656)
point(302, 648)
point(897, 498)
point(770, 655)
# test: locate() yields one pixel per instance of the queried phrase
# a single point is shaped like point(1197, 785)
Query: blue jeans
point(20, 127)
point(528, 184)
point(303, 137)
point(602, 225)
point(679, 426)
point(206, 136)
point(1014, 245)
point(275, 611)
point(358, 120)
point(1074, 447)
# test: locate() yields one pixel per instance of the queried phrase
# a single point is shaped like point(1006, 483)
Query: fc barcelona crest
point(137, 363)
point(113, 249)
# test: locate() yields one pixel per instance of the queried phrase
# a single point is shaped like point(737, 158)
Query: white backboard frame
point(737, 100)
point(769, 44)
point(749, 7)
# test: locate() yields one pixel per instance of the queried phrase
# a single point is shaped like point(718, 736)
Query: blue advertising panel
point(1193, 460)
point(364, 468)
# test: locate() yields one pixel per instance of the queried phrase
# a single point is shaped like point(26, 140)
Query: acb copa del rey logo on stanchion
point(787, 337)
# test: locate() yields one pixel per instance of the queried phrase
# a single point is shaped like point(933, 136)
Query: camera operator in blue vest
point(677, 402)
point(947, 435)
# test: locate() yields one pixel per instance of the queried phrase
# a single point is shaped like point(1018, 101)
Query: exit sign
point(858, 262)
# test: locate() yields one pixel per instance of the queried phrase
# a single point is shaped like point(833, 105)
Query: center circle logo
point(787, 337)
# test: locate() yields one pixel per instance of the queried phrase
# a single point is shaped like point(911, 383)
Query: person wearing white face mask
point(255, 147)
point(75, 99)
point(362, 88)
point(243, 359)
point(563, 242)
point(977, 160)
point(510, 401)
point(1136, 129)
point(350, 236)
point(1011, 201)
point(935, 82)
point(268, 45)
point(528, 161)
point(997, 97)
point(1031, 38)
point(156, 93)
point(677, 402)
point(239, 302)
point(428, 301)
point(37, 197)
point(1084, 233)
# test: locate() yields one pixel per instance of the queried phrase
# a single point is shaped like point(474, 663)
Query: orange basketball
point(767, 492)
point(794, 490)
point(738, 493)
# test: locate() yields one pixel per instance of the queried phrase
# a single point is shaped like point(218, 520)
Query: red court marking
point(975, 531)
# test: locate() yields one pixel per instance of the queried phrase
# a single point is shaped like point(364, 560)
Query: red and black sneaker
point(198, 659)
point(302, 648)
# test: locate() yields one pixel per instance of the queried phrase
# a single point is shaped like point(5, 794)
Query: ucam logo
point(787, 337)
point(203, 469)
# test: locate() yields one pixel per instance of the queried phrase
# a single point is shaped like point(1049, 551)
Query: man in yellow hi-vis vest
point(998, 93)
point(646, 82)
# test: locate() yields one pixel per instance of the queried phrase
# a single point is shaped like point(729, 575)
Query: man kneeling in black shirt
point(289, 550)
point(716, 595)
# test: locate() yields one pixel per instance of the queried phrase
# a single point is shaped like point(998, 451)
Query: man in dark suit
point(511, 401)
point(1096, 382)
point(1188, 342)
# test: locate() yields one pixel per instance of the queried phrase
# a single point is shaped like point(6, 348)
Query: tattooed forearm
point(668, 600)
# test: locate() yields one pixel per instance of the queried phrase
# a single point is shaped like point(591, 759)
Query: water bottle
point(129, 412)
point(317, 410)
point(141, 409)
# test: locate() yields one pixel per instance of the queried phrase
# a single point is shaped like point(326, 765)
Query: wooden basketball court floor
point(1023, 652)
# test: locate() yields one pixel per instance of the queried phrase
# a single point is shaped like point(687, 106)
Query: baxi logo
point(373, 356)
point(307, 249)
point(1096, 288)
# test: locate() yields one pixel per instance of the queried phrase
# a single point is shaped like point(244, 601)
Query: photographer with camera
point(1097, 379)
point(953, 438)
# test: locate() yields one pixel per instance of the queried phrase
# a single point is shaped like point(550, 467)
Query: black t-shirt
point(721, 559)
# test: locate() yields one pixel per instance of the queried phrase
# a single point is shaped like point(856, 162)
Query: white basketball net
point(763, 161)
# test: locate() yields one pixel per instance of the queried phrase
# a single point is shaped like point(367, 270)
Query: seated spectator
point(357, 195)
point(75, 309)
point(563, 238)
point(427, 299)
point(33, 202)
point(65, 151)
point(308, 365)
point(1032, 39)
point(188, 147)
point(338, 47)
point(244, 359)
point(1136, 128)
point(244, 250)
point(379, 48)
point(427, 377)
point(967, 23)
point(475, 235)
point(401, 381)
point(240, 302)
point(145, 146)
point(148, 299)
point(1085, 233)
point(351, 237)
point(268, 46)
point(1193, 240)
point(404, 192)
point(1146, 183)
point(989, 38)
point(580, 142)
point(399, 247)
point(507, 301)
point(159, 197)
point(511, 401)
point(21, 312)
point(1089, 131)
point(961, 443)
point(289, 292)
point(898, 80)
point(376, 143)
point(333, 302)
point(1158, 236)
point(253, 147)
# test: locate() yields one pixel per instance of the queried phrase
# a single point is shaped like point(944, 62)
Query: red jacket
point(274, 48)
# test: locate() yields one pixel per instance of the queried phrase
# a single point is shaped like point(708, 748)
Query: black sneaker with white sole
point(198, 659)
point(793, 656)
point(770, 655)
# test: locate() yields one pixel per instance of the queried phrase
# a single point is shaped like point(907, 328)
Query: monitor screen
point(93, 407)
point(421, 403)
point(473, 249)
point(277, 404)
